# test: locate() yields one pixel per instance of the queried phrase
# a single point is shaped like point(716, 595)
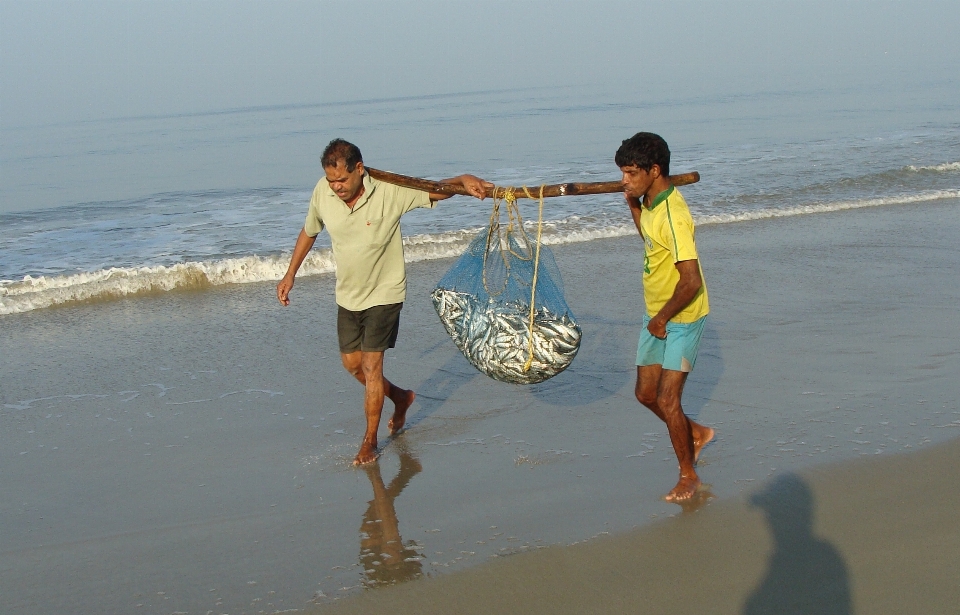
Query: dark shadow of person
point(434, 392)
point(805, 574)
point(600, 369)
point(383, 556)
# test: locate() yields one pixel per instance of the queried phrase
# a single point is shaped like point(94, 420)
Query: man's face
point(637, 181)
point(345, 184)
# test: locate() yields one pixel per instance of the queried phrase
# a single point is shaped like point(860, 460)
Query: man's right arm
point(304, 243)
point(635, 211)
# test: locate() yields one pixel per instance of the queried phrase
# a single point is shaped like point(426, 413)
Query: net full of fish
point(496, 338)
point(484, 304)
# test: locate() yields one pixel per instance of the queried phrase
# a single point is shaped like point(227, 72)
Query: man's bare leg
point(647, 389)
point(367, 368)
point(702, 435)
point(660, 390)
point(402, 399)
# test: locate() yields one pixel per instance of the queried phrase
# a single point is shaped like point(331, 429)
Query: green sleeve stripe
point(676, 246)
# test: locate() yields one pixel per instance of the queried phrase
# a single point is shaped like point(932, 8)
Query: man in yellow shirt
point(675, 295)
point(362, 216)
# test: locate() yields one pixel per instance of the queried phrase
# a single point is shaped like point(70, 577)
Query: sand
point(190, 452)
point(867, 537)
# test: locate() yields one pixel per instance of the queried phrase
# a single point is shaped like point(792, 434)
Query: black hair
point(338, 150)
point(644, 150)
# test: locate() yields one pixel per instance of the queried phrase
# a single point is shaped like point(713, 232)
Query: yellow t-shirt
point(367, 245)
point(668, 238)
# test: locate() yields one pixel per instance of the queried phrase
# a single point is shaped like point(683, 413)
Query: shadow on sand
point(600, 370)
point(805, 573)
point(707, 373)
point(434, 392)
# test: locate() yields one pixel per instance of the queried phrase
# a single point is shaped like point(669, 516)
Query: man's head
point(644, 158)
point(343, 165)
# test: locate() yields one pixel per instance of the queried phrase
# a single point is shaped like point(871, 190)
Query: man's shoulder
point(676, 197)
point(399, 197)
point(388, 190)
point(321, 192)
point(677, 205)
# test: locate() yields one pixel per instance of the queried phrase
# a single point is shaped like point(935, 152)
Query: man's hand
point(304, 243)
point(283, 290)
point(475, 186)
point(687, 288)
point(658, 327)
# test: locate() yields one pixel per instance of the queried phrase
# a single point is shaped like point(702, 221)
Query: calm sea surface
point(108, 208)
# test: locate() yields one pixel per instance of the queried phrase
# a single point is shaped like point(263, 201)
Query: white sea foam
point(31, 293)
point(946, 167)
point(816, 208)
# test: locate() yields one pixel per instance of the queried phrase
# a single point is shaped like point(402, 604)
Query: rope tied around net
point(533, 285)
point(508, 197)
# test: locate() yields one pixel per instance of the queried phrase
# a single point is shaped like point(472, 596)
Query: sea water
point(104, 209)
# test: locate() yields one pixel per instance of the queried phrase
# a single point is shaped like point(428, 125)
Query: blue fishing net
point(484, 303)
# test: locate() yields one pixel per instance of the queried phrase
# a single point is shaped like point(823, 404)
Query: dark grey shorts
point(371, 330)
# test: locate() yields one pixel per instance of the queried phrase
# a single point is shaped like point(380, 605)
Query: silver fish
point(496, 337)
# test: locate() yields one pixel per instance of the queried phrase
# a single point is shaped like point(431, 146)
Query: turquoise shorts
point(677, 352)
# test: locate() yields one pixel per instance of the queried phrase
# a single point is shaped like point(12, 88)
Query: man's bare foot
point(400, 412)
point(368, 453)
point(700, 499)
point(684, 490)
point(702, 436)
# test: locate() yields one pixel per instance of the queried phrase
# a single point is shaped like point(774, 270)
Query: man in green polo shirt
point(675, 296)
point(362, 216)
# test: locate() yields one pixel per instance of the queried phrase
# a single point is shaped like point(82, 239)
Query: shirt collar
point(660, 198)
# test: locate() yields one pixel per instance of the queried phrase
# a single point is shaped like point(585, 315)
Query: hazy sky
point(63, 61)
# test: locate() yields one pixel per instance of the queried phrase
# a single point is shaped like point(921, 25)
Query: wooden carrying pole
point(568, 189)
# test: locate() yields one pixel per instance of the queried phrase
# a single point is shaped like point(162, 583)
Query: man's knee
point(372, 363)
point(670, 390)
point(648, 383)
point(351, 363)
point(646, 396)
point(670, 404)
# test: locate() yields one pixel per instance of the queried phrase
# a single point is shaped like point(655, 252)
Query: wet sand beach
point(877, 536)
point(190, 451)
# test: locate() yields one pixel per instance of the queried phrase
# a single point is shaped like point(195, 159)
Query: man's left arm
point(473, 184)
point(687, 288)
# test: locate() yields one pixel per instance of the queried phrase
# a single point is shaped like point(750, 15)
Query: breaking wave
point(32, 293)
point(946, 167)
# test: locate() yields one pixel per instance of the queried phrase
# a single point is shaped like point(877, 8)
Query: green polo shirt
point(367, 245)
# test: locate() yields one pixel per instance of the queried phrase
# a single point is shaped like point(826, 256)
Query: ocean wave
point(818, 208)
point(946, 167)
point(32, 293)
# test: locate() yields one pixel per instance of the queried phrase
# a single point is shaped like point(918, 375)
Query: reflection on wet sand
point(383, 556)
point(700, 499)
